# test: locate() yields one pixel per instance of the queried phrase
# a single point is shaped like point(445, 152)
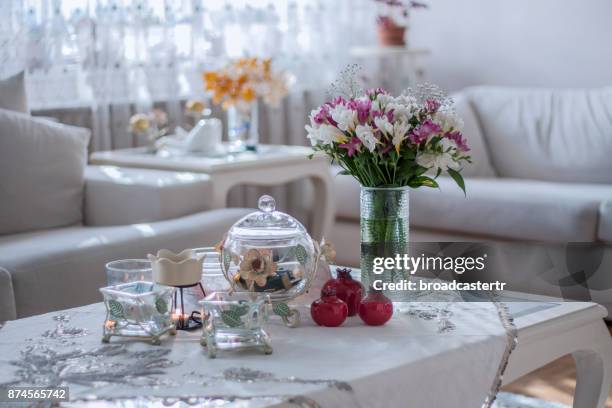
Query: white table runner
point(407, 362)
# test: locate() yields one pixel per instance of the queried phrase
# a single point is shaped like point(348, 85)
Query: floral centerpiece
point(236, 87)
point(390, 144)
point(392, 20)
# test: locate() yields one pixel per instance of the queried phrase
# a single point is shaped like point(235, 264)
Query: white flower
point(366, 135)
point(435, 161)
point(383, 124)
point(344, 117)
point(448, 120)
point(381, 101)
point(329, 134)
point(400, 132)
point(313, 134)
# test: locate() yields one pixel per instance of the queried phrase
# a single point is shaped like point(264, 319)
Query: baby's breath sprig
point(348, 84)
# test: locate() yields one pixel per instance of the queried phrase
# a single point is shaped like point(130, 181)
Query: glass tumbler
point(128, 270)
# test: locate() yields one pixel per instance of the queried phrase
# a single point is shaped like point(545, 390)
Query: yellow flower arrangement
point(244, 80)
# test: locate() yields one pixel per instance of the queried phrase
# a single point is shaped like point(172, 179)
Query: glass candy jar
point(234, 320)
point(270, 252)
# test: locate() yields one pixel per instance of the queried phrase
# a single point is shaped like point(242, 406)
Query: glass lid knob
point(266, 203)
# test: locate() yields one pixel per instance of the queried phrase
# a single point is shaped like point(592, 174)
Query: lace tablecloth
point(414, 360)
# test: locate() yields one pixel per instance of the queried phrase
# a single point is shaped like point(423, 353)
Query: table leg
point(594, 376)
point(324, 210)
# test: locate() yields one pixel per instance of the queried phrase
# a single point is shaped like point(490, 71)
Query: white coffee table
point(404, 363)
point(575, 328)
point(271, 165)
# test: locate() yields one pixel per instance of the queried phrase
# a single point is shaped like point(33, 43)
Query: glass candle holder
point(233, 321)
point(138, 309)
point(128, 270)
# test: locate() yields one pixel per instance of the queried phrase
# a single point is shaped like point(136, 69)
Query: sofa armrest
point(118, 195)
point(8, 309)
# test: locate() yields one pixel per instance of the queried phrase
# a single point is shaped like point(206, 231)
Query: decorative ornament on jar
point(329, 311)
point(375, 309)
point(346, 289)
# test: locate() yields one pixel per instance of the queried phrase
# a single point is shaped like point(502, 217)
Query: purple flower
point(390, 115)
point(459, 140)
point(372, 93)
point(362, 107)
point(321, 115)
point(387, 148)
point(422, 132)
point(432, 105)
point(353, 145)
point(338, 100)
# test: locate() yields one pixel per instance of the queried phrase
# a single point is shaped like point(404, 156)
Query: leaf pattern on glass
point(231, 318)
point(116, 309)
point(281, 309)
point(301, 255)
point(161, 305)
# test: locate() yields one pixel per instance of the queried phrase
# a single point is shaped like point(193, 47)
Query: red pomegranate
point(347, 289)
point(375, 309)
point(328, 311)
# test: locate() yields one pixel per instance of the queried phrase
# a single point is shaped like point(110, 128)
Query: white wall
point(557, 43)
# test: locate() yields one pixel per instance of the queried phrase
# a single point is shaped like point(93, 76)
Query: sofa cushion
point(545, 134)
point(42, 165)
point(64, 267)
point(481, 163)
point(512, 208)
point(13, 93)
point(116, 195)
point(504, 208)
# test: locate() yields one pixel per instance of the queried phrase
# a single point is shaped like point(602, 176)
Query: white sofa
point(542, 172)
point(127, 214)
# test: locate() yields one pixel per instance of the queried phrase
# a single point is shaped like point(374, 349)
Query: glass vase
point(242, 127)
point(384, 225)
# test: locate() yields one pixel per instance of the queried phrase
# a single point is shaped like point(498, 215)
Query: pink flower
point(354, 145)
point(426, 129)
point(374, 92)
point(387, 148)
point(376, 114)
point(321, 115)
point(362, 107)
point(390, 115)
point(432, 105)
point(459, 140)
point(338, 100)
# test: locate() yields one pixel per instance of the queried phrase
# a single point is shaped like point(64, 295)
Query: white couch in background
point(542, 172)
point(128, 213)
point(61, 221)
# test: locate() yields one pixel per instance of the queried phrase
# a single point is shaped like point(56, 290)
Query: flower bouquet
point(236, 87)
point(390, 144)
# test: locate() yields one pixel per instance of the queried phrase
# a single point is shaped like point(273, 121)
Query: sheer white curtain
point(95, 62)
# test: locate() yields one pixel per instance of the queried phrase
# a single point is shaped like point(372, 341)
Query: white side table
point(271, 165)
